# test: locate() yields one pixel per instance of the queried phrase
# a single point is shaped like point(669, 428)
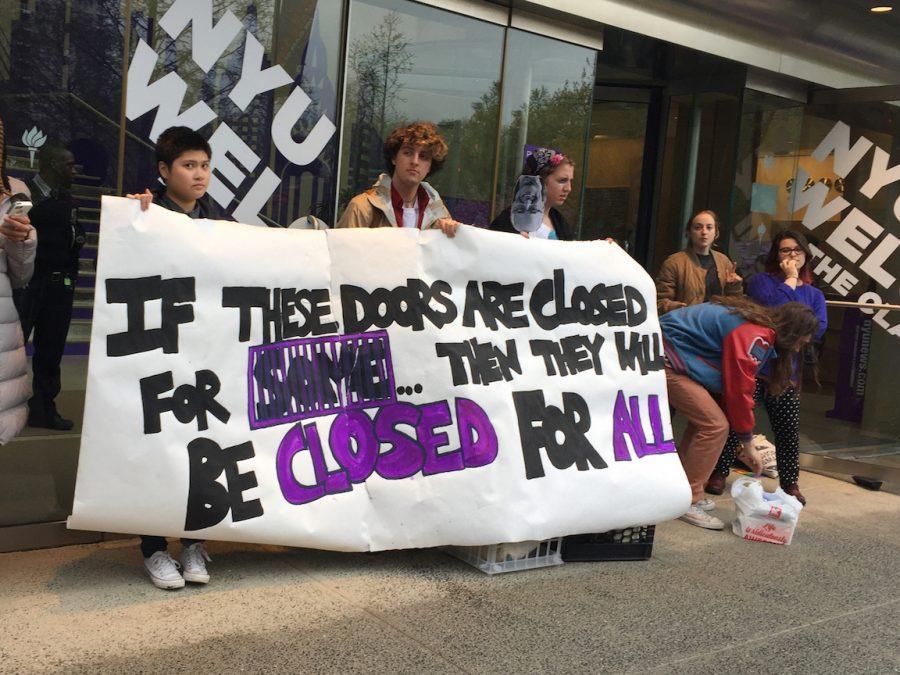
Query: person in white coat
point(18, 245)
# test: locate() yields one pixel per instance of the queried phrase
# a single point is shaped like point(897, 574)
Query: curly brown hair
point(416, 134)
point(794, 323)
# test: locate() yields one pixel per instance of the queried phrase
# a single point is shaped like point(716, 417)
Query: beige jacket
point(373, 207)
point(682, 279)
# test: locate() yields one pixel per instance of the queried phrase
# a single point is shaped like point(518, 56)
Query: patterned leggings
point(784, 414)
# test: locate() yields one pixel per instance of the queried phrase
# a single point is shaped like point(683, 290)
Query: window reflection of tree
point(377, 60)
point(556, 118)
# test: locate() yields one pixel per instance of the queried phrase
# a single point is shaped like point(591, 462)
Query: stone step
point(79, 331)
point(87, 267)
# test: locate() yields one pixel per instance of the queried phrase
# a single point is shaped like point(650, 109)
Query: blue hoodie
point(722, 352)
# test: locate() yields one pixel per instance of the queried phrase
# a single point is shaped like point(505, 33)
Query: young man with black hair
point(401, 197)
point(45, 304)
point(183, 162)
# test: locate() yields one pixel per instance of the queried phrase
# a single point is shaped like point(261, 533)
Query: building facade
point(773, 120)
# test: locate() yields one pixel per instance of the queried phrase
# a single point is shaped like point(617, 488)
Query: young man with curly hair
point(401, 197)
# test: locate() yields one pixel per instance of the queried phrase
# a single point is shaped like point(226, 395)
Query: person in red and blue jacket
point(713, 353)
point(788, 278)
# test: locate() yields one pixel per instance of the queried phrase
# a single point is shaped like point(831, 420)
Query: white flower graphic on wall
point(33, 140)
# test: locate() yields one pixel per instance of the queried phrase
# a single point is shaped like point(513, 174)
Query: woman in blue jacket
point(717, 349)
point(787, 278)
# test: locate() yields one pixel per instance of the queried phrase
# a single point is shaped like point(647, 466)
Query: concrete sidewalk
point(705, 602)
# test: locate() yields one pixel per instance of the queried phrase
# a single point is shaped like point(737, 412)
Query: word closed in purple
point(355, 441)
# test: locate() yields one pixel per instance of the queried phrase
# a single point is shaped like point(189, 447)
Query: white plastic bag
point(764, 516)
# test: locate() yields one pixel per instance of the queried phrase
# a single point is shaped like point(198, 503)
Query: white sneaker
point(706, 504)
point(193, 563)
point(697, 516)
point(163, 571)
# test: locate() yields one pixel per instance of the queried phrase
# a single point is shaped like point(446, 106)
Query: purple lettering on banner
point(661, 444)
point(435, 415)
point(354, 428)
point(293, 443)
point(298, 379)
point(482, 449)
point(355, 441)
point(406, 457)
point(628, 422)
point(622, 425)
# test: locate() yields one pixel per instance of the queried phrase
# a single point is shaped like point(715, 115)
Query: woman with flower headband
point(556, 173)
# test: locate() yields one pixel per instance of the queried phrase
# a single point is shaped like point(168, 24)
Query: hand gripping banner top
point(369, 389)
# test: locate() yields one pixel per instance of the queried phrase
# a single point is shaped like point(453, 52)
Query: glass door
point(828, 170)
point(615, 171)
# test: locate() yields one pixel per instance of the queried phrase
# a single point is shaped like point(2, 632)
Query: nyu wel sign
point(234, 159)
point(866, 246)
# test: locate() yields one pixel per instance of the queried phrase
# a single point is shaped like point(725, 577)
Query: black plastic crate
point(632, 543)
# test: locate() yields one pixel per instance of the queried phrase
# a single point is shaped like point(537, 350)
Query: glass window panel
point(61, 78)
point(300, 37)
point(767, 159)
point(60, 69)
point(848, 414)
point(407, 62)
point(547, 86)
point(856, 403)
point(613, 179)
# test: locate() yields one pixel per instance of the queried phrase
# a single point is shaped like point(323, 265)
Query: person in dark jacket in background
point(717, 349)
point(556, 172)
point(45, 305)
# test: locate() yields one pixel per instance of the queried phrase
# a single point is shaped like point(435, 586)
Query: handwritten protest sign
point(369, 389)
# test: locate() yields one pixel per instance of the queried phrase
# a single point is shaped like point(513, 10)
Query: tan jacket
point(682, 279)
point(373, 207)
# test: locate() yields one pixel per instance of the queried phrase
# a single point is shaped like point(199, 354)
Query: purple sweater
point(768, 289)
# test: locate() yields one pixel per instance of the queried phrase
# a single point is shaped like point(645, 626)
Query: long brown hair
point(773, 263)
point(794, 324)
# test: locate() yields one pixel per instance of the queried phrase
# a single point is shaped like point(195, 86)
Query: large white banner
point(369, 389)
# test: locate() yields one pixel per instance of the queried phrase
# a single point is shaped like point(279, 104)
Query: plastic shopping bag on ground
point(764, 516)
